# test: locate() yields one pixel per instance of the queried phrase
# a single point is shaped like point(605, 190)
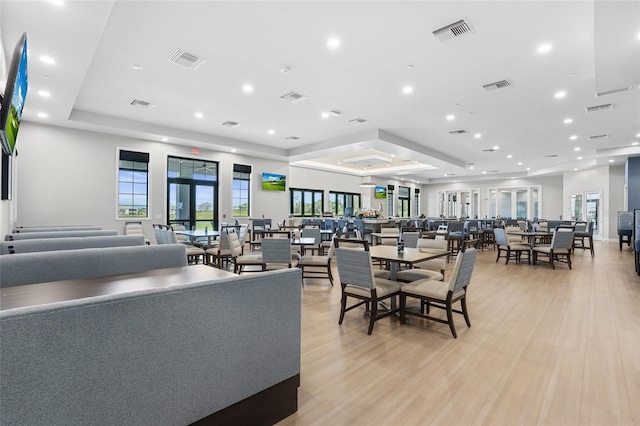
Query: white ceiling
point(385, 45)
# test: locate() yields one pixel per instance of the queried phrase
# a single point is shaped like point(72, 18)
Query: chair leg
point(463, 302)
point(330, 275)
point(452, 326)
point(372, 316)
point(343, 307)
point(551, 256)
point(508, 256)
point(403, 305)
point(569, 260)
point(591, 246)
point(497, 258)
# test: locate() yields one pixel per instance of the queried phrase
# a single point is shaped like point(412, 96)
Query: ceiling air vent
point(492, 171)
point(141, 104)
point(489, 150)
point(502, 84)
point(455, 30)
point(457, 132)
point(294, 97)
point(551, 156)
point(358, 121)
point(186, 59)
point(599, 107)
point(611, 92)
point(230, 124)
point(598, 137)
point(292, 138)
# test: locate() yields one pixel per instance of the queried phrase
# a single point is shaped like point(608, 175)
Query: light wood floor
point(555, 347)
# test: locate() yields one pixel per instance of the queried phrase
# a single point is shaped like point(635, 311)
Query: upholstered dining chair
point(584, 231)
point(314, 233)
point(135, 228)
point(560, 247)
point(512, 250)
point(317, 266)
point(427, 270)
point(276, 254)
point(228, 249)
point(358, 282)
point(442, 295)
point(193, 253)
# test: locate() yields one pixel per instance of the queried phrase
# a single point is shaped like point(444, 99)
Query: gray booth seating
point(70, 243)
point(167, 356)
point(56, 228)
point(32, 268)
point(58, 234)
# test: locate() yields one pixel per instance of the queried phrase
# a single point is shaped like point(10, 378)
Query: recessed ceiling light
point(509, 156)
point(272, 132)
point(573, 137)
point(575, 170)
point(560, 95)
point(325, 115)
point(247, 88)
point(612, 160)
point(410, 67)
point(136, 67)
point(544, 48)
point(528, 168)
point(635, 143)
point(580, 158)
point(451, 117)
point(484, 173)
point(416, 162)
point(577, 148)
point(42, 115)
point(57, 2)
point(199, 115)
point(496, 147)
point(47, 60)
point(393, 155)
point(568, 120)
point(573, 74)
point(339, 163)
point(638, 135)
point(519, 163)
point(164, 139)
point(446, 175)
point(333, 43)
point(407, 90)
point(477, 135)
point(44, 93)
point(233, 150)
point(388, 165)
point(470, 167)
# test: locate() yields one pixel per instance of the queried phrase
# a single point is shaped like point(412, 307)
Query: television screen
point(273, 182)
point(14, 96)
point(381, 192)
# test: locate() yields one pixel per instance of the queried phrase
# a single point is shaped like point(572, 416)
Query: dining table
point(194, 234)
point(533, 236)
point(381, 236)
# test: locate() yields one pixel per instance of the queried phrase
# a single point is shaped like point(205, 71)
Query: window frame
point(404, 199)
point(314, 202)
point(348, 200)
point(133, 154)
point(241, 169)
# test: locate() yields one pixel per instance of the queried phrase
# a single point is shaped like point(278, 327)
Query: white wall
point(551, 194)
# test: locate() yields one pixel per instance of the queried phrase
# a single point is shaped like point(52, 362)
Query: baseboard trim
point(264, 408)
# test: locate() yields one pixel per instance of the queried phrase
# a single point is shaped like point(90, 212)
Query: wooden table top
point(58, 291)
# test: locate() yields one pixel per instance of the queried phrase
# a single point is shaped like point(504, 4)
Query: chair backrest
point(432, 243)
point(133, 228)
point(178, 227)
point(562, 238)
point(462, 272)
point(242, 233)
point(234, 244)
point(279, 234)
point(500, 236)
point(389, 230)
point(224, 240)
point(351, 243)
point(410, 239)
point(354, 267)
point(330, 225)
point(581, 227)
point(276, 250)
point(157, 231)
point(258, 224)
point(312, 233)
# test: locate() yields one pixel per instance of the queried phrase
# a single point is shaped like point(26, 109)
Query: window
point(404, 202)
point(133, 184)
point(306, 202)
point(515, 203)
point(339, 200)
point(416, 202)
point(390, 189)
point(241, 191)
point(192, 193)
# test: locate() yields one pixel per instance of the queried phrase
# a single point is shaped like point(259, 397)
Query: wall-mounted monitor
point(381, 192)
point(274, 182)
point(14, 96)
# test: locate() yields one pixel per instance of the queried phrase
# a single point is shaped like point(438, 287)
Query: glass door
point(586, 206)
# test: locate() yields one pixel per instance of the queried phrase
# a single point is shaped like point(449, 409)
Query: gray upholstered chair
point(512, 250)
point(358, 282)
point(135, 228)
point(317, 266)
point(276, 254)
point(442, 295)
point(433, 266)
point(314, 233)
point(193, 253)
point(410, 238)
point(228, 248)
point(560, 247)
point(584, 231)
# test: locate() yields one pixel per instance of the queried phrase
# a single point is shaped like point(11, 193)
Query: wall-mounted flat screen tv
point(274, 182)
point(14, 95)
point(381, 192)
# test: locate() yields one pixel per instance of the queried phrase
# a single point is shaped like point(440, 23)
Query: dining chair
point(310, 264)
point(584, 231)
point(442, 295)
point(135, 228)
point(513, 250)
point(193, 253)
point(560, 247)
point(228, 249)
point(314, 233)
point(432, 269)
point(357, 281)
point(276, 254)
